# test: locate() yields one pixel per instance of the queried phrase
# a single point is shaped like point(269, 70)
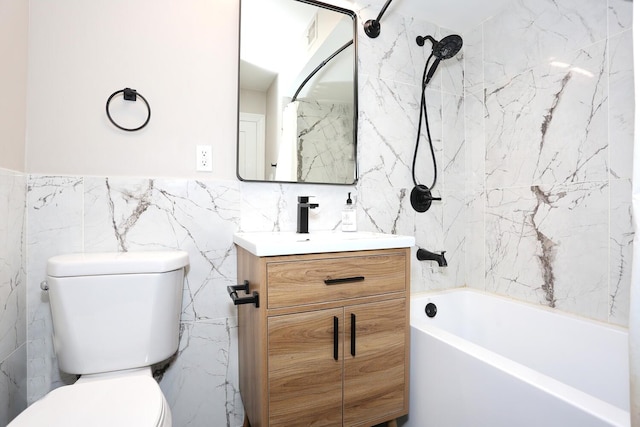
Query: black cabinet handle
point(344, 280)
point(353, 334)
point(335, 337)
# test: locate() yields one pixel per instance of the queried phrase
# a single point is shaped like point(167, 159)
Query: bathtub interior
point(584, 354)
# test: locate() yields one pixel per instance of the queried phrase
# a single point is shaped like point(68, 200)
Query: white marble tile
point(549, 245)
point(13, 385)
point(475, 239)
point(453, 143)
point(473, 60)
point(394, 54)
point(199, 217)
point(54, 206)
point(388, 128)
point(385, 209)
point(530, 32)
point(201, 383)
point(474, 117)
point(621, 251)
point(549, 124)
point(621, 105)
point(619, 15)
point(12, 262)
point(273, 207)
point(13, 287)
point(455, 234)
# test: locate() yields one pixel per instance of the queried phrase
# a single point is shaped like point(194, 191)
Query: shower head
point(446, 48)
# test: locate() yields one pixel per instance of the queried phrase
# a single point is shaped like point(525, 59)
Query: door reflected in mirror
point(297, 103)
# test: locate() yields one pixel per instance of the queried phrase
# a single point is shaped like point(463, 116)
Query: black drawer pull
point(353, 334)
point(335, 338)
point(344, 280)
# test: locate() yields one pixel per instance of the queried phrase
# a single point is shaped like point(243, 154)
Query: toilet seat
point(115, 401)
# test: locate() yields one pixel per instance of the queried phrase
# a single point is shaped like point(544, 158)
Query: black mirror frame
point(354, 19)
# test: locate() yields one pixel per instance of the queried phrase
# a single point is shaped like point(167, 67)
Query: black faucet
point(425, 255)
point(303, 213)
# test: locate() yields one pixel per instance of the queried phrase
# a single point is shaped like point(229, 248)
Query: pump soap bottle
point(349, 216)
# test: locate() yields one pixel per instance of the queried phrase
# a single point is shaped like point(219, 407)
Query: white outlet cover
point(204, 159)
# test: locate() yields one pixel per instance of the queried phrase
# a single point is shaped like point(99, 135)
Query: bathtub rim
point(588, 403)
point(508, 299)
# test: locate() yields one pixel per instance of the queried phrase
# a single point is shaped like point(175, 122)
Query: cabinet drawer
point(319, 280)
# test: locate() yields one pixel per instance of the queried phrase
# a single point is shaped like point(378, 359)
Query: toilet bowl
point(114, 315)
point(125, 399)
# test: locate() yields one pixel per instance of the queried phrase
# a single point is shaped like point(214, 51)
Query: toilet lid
point(122, 402)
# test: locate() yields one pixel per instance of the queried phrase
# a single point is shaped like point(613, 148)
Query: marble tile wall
point(74, 214)
point(13, 325)
point(549, 133)
point(391, 69)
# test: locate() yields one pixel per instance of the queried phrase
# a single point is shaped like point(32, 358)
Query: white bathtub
point(484, 360)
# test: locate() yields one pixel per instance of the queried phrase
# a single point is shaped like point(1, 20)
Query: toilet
point(114, 315)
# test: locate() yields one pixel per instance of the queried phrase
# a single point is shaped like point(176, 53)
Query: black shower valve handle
point(421, 198)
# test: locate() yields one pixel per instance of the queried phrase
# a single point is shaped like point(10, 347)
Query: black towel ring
point(129, 95)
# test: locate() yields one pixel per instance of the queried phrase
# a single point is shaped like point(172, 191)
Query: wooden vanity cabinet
point(329, 343)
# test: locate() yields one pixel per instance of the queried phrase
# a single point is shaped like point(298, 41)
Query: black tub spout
point(425, 255)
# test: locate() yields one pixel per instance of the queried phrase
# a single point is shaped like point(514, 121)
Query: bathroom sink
point(266, 243)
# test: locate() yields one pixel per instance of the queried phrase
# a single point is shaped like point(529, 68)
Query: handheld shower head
point(446, 48)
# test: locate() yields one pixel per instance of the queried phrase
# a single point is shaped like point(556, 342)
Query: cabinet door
point(305, 368)
point(374, 361)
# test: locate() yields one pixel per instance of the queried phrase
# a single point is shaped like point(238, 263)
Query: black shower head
point(446, 48)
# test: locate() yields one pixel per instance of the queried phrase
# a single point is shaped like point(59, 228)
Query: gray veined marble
point(549, 124)
point(147, 214)
point(529, 32)
point(114, 214)
point(549, 245)
point(54, 209)
point(13, 305)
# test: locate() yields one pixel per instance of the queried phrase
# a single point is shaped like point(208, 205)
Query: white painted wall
point(14, 24)
point(180, 55)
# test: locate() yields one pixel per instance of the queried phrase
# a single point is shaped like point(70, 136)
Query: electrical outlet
point(203, 158)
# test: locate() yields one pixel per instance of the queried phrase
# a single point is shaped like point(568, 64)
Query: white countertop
point(269, 243)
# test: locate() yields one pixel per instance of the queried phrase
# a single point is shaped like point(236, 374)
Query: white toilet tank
point(115, 311)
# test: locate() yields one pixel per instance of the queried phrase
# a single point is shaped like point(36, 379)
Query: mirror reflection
point(297, 107)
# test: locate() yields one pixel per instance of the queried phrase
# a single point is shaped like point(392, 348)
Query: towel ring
point(129, 95)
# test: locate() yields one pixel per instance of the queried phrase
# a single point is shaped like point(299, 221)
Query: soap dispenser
point(349, 216)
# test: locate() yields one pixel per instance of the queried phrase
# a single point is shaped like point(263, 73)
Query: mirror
point(297, 101)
